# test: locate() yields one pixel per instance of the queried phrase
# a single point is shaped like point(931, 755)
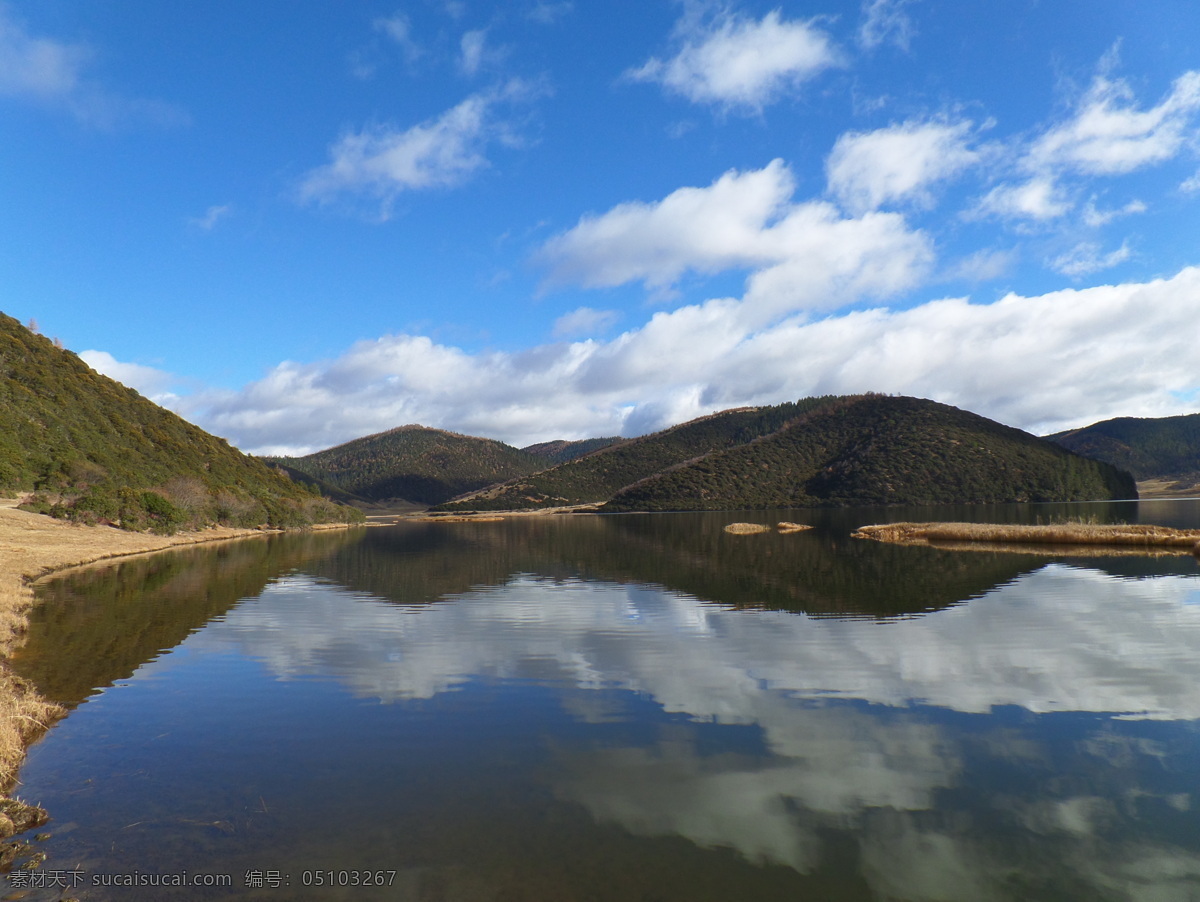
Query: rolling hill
point(561, 451)
point(1149, 448)
point(600, 475)
point(93, 450)
point(866, 449)
point(414, 464)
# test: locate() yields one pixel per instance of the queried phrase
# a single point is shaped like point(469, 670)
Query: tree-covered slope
point(415, 463)
point(94, 449)
point(880, 450)
point(600, 475)
point(561, 451)
point(1148, 448)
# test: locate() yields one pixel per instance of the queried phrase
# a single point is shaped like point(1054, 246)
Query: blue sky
point(300, 222)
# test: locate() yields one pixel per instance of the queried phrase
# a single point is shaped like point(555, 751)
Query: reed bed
point(746, 529)
point(1132, 537)
point(749, 529)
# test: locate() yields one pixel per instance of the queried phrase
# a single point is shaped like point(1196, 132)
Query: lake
point(636, 707)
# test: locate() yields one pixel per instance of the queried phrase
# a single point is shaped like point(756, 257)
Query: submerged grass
point(1135, 538)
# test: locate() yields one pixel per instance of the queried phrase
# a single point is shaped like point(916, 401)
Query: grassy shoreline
point(33, 546)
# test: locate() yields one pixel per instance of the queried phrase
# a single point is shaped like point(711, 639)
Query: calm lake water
point(624, 708)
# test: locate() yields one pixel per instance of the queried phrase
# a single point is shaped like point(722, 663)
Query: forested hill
point(866, 449)
point(600, 475)
point(881, 450)
point(415, 464)
point(561, 451)
point(95, 450)
point(1149, 448)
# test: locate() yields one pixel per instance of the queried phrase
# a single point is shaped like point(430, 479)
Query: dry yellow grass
point(32, 546)
point(463, 518)
point(1135, 538)
point(746, 529)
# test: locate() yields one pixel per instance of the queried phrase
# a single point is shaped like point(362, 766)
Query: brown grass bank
point(33, 546)
point(1136, 539)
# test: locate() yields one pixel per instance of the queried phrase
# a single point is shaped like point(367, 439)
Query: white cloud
point(1108, 135)
point(398, 28)
point(982, 266)
point(211, 217)
point(383, 162)
point(146, 380)
point(1086, 258)
point(1039, 198)
point(902, 783)
point(869, 169)
point(800, 255)
point(737, 62)
point(52, 72)
point(473, 47)
point(1094, 217)
point(1042, 363)
point(547, 12)
point(584, 321)
point(886, 22)
point(38, 67)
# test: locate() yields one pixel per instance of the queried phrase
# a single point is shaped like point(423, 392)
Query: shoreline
point(34, 547)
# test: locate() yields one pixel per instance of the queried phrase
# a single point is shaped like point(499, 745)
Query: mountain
point(880, 450)
point(1163, 448)
point(94, 450)
point(866, 449)
point(600, 475)
point(561, 451)
point(415, 464)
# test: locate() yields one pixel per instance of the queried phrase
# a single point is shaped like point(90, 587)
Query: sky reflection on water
point(1038, 741)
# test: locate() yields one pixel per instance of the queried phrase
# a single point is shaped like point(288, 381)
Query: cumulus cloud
point(900, 163)
point(584, 321)
point(736, 62)
point(384, 161)
point(1039, 198)
point(800, 255)
point(53, 73)
point(145, 380)
point(1042, 363)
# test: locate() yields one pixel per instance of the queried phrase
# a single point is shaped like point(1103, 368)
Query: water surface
point(632, 707)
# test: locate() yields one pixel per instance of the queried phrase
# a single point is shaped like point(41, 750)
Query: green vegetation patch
point(1149, 448)
point(414, 463)
point(874, 449)
point(94, 451)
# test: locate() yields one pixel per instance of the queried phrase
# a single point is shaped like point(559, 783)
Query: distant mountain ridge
point(414, 463)
point(93, 450)
point(830, 451)
point(1149, 448)
point(561, 451)
point(601, 474)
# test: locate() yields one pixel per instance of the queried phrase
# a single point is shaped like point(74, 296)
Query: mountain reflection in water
point(635, 707)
